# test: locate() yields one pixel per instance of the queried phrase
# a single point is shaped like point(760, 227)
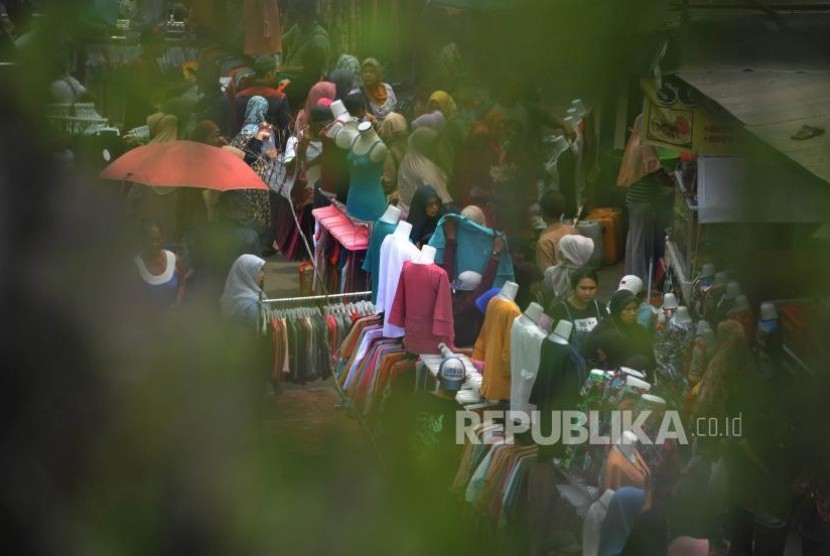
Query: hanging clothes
point(477, 242)
point(394, 252)
point(525, 354)
point(493, 347)
point(371, 263)
point(423, 308)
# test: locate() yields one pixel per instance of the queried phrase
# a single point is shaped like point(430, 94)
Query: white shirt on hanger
point(525, 353)
point(394, 251)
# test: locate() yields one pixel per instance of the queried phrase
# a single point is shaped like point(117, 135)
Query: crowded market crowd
point(474, 244)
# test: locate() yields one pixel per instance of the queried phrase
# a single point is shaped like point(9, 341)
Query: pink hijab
point(321, 90)
point(688, 546)
point(638, 160)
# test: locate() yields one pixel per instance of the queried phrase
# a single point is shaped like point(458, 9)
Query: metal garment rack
point(331, 297)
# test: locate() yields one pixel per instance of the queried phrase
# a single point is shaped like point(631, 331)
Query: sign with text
point(677, 117)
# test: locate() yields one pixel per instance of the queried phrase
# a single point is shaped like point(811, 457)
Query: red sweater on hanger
point(423, 307)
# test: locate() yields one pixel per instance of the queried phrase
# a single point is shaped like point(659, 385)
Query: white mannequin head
point(338, 108)
point(346, 134)
point(682, 315)
point(392, 215)
point(562, 332)
point(403, 230)
point(669, 301)
point(708, 271)
point(534, 311)
point(721, 278)
point(628, 445)
point(733, 290)
point(509, 291)
point(427, 255)
point(741, 304)
point(768, 311)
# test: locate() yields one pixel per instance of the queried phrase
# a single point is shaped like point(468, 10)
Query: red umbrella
point(184, 164)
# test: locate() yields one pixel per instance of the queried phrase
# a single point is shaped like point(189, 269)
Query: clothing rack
point(334, 296)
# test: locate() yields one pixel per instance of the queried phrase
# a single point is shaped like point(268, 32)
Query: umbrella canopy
point(184, 164)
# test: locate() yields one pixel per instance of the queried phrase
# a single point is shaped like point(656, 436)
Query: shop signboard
point(678, 117)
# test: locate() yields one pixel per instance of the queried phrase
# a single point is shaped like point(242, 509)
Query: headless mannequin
point(403, 230)
point(534, 312)
point(562, 333)
point(427, 255)
point(509, 291)
point(345, 134)
point(392, 215)
point(369, 142)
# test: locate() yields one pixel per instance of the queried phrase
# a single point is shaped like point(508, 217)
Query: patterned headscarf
point(255, 114)
point(350, 63)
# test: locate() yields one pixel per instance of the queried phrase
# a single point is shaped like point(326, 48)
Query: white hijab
point(574, 252)
point(417, 170)
point(241, 289)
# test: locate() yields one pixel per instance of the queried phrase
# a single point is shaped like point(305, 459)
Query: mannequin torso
point(392, 215)
point(369, 143)
point(427, 255)
point(509, 291)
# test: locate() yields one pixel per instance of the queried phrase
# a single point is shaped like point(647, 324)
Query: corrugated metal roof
point(773, 105)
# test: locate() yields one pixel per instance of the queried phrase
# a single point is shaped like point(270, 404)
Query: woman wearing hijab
point(417, 169)
point(479, 151)
point(425, 212)
point(163, 127)
point(573, 252)
point(250, 139)
point(321, 90)
point(161, 204)
point(380, 96)
point(344, 82)
point(623, 308)
point(393, 132)
point(240, 300)
point(452, 135)
point(352, 65)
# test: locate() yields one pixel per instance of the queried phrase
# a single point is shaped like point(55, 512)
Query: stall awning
point(773, 106)
point(354, 237)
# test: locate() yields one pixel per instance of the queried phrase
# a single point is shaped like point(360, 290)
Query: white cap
point(631, 283)
point(669, 301)
point(768, 311)
point(632, 372)
point(708, 270)
point(467, 281)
